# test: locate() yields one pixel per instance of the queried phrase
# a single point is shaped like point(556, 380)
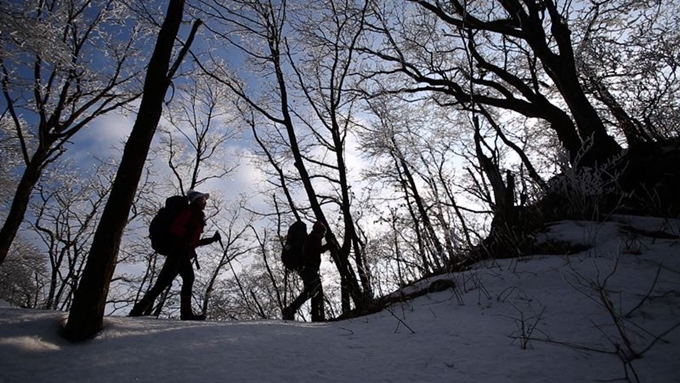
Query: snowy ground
point(539, 319)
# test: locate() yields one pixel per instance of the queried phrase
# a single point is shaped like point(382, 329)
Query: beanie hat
point(193, 195)
point(319, 226)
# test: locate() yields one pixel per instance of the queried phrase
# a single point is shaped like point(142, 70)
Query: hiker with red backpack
point(310, 261)
point(183, 238)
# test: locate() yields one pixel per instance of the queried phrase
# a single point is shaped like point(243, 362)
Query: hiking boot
point(185, 309)
point(288, 314)
point(192, 316)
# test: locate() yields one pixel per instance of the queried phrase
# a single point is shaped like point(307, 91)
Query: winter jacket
point(313, 250)
point(189, 226)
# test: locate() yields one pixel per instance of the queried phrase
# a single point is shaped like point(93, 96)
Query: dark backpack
point(293, 249)
point(159, 230)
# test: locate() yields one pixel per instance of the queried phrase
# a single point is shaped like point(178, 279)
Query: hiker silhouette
point(186, 230)
point(309, 272)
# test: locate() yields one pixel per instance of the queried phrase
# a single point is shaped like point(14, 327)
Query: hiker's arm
point(207, 241)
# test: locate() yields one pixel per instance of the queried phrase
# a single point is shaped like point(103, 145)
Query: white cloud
point(103, 138)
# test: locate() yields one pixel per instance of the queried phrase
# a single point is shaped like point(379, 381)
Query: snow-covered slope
point(547, 318)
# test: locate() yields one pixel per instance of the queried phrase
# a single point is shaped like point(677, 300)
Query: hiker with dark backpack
point(308, 269)
point(293, 249)
point(184, 226)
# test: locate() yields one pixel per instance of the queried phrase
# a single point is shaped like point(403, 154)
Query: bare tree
point(235, 245)
point(53, 101)
point(627, 55)
point(523, 59)
point(414, 155)
point(10, 158)
point(135, 245)
point(196, 144)
point(21, 33)
point(24, 277)
point(65, 212)
point(201, 126)
point(86, 314)
point(314, 133)
point(330, 40)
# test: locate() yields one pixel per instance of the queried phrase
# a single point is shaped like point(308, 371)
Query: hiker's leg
point(289, 312)
point(186, 312)
point(186, 271)
point(165, 278)
point(308, 281)
point(318, 314)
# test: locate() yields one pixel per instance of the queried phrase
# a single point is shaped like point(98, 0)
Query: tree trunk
point(87, 312)
point(503, 199)
point(350, 231)
point(630, 128)
point(438, 257)
point(562, 70)
point(20, 202)
point(588, 122)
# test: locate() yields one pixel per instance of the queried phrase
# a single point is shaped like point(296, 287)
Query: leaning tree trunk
point(20, 202)
point(438, 257)
point(501, 236)
point(561, 67)
point(588, 122)
point(87, 312)
point(349, 280)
